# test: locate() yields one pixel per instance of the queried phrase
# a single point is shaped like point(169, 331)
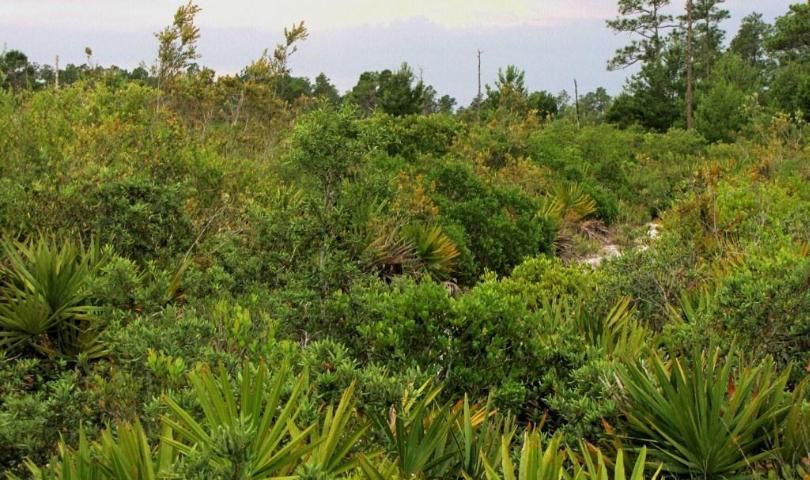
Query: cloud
point(554, 40)
point(128, 15)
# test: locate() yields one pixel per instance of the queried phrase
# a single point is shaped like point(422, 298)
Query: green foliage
point(125, 455)
point(325, 145)
point(434, 250)
point(748, 305)
point(790, 37)
point(411, 136)
point(378, 246)
point(794, 441)
point(791, 88)
point(142, 219)
point(551, 461)
point(650, 100)
point(721, 112)
point(249, 436)
point(414, 249)
point(598, 469)
point(646, 19)
point(45, 302)
point(499, 226)
point(429, 440)
point(403, 322)
point(329, 458)
point(542, 279)
point(700, 416)
point(178, 43)
point(396, 93)
point(419, 437)
point(536, 461)
point(749, 43)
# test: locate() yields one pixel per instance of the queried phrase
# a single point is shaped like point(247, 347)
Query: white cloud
point(129, 15)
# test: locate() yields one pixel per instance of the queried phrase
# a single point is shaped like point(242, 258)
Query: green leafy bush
point(144, 220)
point(500, 225)
point(765, 302)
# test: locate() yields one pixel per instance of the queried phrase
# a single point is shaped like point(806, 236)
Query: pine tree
point(648, 23)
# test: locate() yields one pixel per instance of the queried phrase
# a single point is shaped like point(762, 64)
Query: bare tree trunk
point(707, 45)
point(56, 73)
point(478, 98)
point(238, 111)
point(690, 80)
point(576, 101)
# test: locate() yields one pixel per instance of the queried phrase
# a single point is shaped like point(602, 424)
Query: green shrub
point(540, 280)
point(38, 406)
point(412, 135)
point(143, 219)
point(607, 204)
point(405, 322)
point(765, 302)
point(500, 225)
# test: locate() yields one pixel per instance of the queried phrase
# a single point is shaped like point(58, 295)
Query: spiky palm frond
point(700, 417)
point(252, 436)
point(478, 432)
point(568, 206)
point(568, 203)
point(122, 453)
point(45, 302)
point(389, 253)
point(333, 441)
point(550, 460)
point(794, 438)
point(412, 249)
point(537, 462)
point(425, 439)
point(619, 334)
point(69, 464)
point(435, 252)
point(594, 466)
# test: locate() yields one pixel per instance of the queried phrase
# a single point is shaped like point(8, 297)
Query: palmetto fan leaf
point(121, 454)
point(701, 417)
point(389, 253)
point(44, 299)
point(434, 250)
point(568, 204)
point(413, 249)
point(252, 436)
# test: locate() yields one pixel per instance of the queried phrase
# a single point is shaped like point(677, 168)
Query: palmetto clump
point(414, 249)
point(45, 299)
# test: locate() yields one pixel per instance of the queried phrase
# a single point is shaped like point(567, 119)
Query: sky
point(554, 41)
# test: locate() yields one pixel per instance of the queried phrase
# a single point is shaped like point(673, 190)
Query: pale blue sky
point(553, 40)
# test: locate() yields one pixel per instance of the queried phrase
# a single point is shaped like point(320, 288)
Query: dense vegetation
point(252, 276)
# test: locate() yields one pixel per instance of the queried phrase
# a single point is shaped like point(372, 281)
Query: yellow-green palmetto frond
point(122, 453)
point(45, 302)
point(435, 252)
point(252, 436)
point(705, 416)
point(414, 249)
